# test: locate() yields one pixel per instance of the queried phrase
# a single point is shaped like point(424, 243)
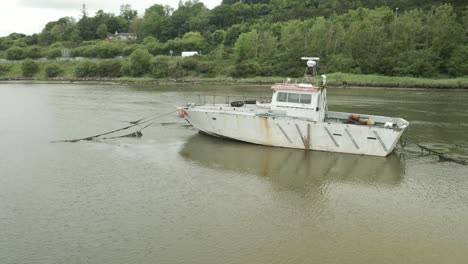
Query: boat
point(297, 117)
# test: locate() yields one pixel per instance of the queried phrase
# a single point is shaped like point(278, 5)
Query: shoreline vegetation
point(334, 80)
point(391, 44)
point(67, 73)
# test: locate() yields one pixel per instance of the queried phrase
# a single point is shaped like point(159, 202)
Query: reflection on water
point(292, 167)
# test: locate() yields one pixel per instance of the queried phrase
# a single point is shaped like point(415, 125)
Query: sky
point(30, 16)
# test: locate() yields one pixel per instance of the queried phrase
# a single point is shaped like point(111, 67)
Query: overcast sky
point(30, 16)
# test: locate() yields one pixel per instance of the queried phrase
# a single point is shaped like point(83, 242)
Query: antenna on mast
point(311, 63)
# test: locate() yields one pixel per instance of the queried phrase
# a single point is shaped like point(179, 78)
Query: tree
point(136, 27)
point(458, 63)
point(63, 29)
point(443, 31)
point(154, 21)
point(246, 47)
point(417, 63)
point(190, 16)
point(101, 31)
point(127, 12)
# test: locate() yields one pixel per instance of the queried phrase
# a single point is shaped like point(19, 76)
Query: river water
point(177, 196)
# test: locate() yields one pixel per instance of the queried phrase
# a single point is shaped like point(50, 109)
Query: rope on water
point(138, 122)
point(137, 133)
point(442, 156)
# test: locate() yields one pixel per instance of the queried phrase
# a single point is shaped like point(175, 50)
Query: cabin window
point(282, 97)
point(293, 98)
point(306, 98)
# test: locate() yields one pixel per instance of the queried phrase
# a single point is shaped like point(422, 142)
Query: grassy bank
point(347, 79)
point(13, 71)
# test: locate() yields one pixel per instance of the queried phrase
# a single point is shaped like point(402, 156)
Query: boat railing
point(213, 99)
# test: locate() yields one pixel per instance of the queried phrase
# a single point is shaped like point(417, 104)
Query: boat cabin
point(299, 100)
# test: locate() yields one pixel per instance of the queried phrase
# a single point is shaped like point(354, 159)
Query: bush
point(189, 64)
point(140, 62)
point(128, 50)
point(15, 53)
point(4, 68)
point(34, 52)
point(125, 70)
point(160, 66)
point(86, 69)
point(109, 68)
point(245, 69)
point(29, 68)
point(54, 53)
point(53, 70)
point(107, 50)
point(83, 51)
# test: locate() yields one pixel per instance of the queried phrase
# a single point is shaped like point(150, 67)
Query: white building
point(122, 36)
point(189, 53)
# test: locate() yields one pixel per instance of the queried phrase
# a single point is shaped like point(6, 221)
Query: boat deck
point(263, 110)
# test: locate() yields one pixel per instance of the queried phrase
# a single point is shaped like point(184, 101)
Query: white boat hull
point(296, 133)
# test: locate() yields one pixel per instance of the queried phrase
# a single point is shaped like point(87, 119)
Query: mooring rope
point(117, 130)
point(139, 120)
point(442, 156)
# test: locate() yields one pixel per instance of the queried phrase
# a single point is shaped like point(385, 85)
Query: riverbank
point(345, 80)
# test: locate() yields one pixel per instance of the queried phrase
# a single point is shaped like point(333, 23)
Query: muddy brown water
point(177, 196)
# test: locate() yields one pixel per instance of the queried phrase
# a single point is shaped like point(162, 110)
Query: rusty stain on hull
point(266, 129)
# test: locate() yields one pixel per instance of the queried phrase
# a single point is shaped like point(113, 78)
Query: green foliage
point(109, 68)
point(246, 69)
point(86, 69)
point(127, 12)
point(218, 37)
point(140, 62)
point(246, 47)
point(101, 31)
point(154, 46)
point(191, 41)
point(417, 63)
point(34, 52)
point(160, 66)
point(189, 64)
point(127, 50)
point(189, 16)
point(15, 53)
point(53, 70)
point(125, 70)
point(265, 37)
point(105, 49)
point(54, 53)
point(4, 68)
point(6, 43)
point(63, 29)
point(153, 21)
point(458, 62)
point(29, 68)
